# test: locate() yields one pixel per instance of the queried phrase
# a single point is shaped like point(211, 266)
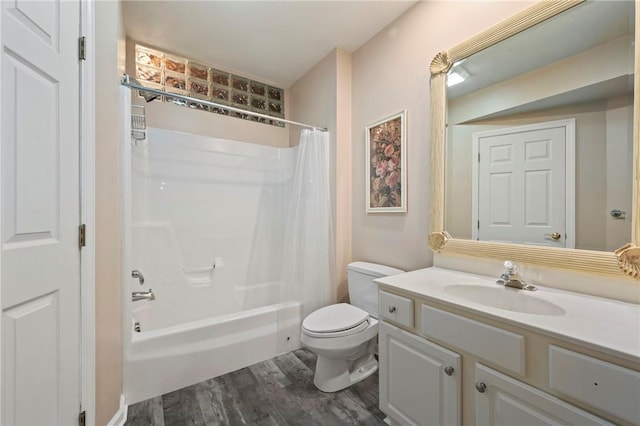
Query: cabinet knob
point(481, 387)
point(449, 371)
point(392, 309)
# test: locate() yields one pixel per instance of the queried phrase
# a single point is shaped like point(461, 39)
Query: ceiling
point(273, 41)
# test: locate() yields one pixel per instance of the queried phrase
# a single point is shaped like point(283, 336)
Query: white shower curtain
point(308, 270)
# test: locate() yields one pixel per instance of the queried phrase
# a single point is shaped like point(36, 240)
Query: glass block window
point(182, 76)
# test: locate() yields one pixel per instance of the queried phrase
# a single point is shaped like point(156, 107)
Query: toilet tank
point(363, 292)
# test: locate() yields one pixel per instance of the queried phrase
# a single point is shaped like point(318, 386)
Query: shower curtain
point(308, 269)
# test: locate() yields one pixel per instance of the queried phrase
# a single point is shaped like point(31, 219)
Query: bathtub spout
point(143, 295)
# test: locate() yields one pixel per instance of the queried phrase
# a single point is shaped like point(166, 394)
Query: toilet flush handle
point(392, 309)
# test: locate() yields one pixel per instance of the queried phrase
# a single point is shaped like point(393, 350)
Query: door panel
point(537, 196)
point(33, 321)
point(30, 166)
point(414, 388)
point(40, 210)
point(509, 402)
point(522, 186)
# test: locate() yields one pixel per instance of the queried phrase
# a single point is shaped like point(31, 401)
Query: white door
point(419, 380)
point(40, 258)
point(522, 185)
point(503, 401)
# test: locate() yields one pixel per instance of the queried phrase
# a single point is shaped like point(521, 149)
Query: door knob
point(555, 236)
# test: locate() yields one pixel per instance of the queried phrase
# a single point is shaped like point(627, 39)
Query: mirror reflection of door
point(523, 188)
point(554, 71)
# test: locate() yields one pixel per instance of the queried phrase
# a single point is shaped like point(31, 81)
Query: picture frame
point(386, 165)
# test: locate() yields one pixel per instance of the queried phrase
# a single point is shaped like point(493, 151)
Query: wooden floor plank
point(307, 357)
point(276, 392)
point(146, 413)
point(268, 374)
point(181, 407)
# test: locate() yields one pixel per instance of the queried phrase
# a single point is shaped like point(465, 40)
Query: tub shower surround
point(166, 359)
point(207, 219)
point(207, 215)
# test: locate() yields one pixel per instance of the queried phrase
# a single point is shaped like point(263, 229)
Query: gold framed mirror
point(624, 260)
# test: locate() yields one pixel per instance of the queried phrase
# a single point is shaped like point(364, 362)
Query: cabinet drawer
point(492, 344)
point(396, 308)
point(606, 386)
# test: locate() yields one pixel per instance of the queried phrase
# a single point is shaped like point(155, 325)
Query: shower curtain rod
point(133, 84)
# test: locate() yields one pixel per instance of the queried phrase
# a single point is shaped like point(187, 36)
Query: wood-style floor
point(278, 391)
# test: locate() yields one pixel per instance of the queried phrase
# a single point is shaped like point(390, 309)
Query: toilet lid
point(334, 318)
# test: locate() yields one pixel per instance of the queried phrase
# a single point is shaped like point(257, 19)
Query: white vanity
point(457, 348)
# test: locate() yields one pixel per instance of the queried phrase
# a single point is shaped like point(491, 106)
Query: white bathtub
point(163, 360)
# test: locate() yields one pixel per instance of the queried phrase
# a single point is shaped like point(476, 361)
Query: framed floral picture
point(387, 165)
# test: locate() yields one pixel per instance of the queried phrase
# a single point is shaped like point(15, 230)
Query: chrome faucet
point(137, 274)
point(510, 278)
point(143, 295)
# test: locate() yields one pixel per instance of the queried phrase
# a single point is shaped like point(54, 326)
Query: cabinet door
point(501, 400)
point(415, 385)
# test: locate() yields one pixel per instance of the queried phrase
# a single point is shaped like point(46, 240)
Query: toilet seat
point(362, 326)
point(336, 320)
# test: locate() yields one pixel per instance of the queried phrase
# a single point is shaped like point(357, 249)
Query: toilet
point(345, 336)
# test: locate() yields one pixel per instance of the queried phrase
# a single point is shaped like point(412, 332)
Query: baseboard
point(120, 417)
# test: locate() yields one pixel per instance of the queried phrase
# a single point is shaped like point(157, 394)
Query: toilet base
point(334, 374)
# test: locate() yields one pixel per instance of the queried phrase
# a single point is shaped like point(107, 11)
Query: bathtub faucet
point(143, 295)
point(137, 274)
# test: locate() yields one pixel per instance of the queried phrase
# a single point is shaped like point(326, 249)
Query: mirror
point(533, 149)
point(555, 130)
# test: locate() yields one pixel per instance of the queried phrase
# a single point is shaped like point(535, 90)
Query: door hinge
point(82, 48)
point(82, 418)
point(478, 157)
point(478, 224)
point(82, 241)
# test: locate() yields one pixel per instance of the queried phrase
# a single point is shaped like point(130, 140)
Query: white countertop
point(606, 325)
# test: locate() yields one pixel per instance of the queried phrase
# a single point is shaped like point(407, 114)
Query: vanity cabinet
point(503, 401)
point(420, 382)
point(446, 364)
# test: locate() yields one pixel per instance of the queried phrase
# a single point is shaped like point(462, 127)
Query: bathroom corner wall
point(391, 73)
point(344, 173)
point(323, 97)
point(109, 54)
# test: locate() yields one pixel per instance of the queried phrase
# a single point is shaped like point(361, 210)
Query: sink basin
point(509, 299)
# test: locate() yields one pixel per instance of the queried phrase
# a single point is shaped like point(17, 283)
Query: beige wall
point(619, 136)
point(109, 48)
point(391, 73)
point(322, 97)
point(344, 174)
point(181, 119)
